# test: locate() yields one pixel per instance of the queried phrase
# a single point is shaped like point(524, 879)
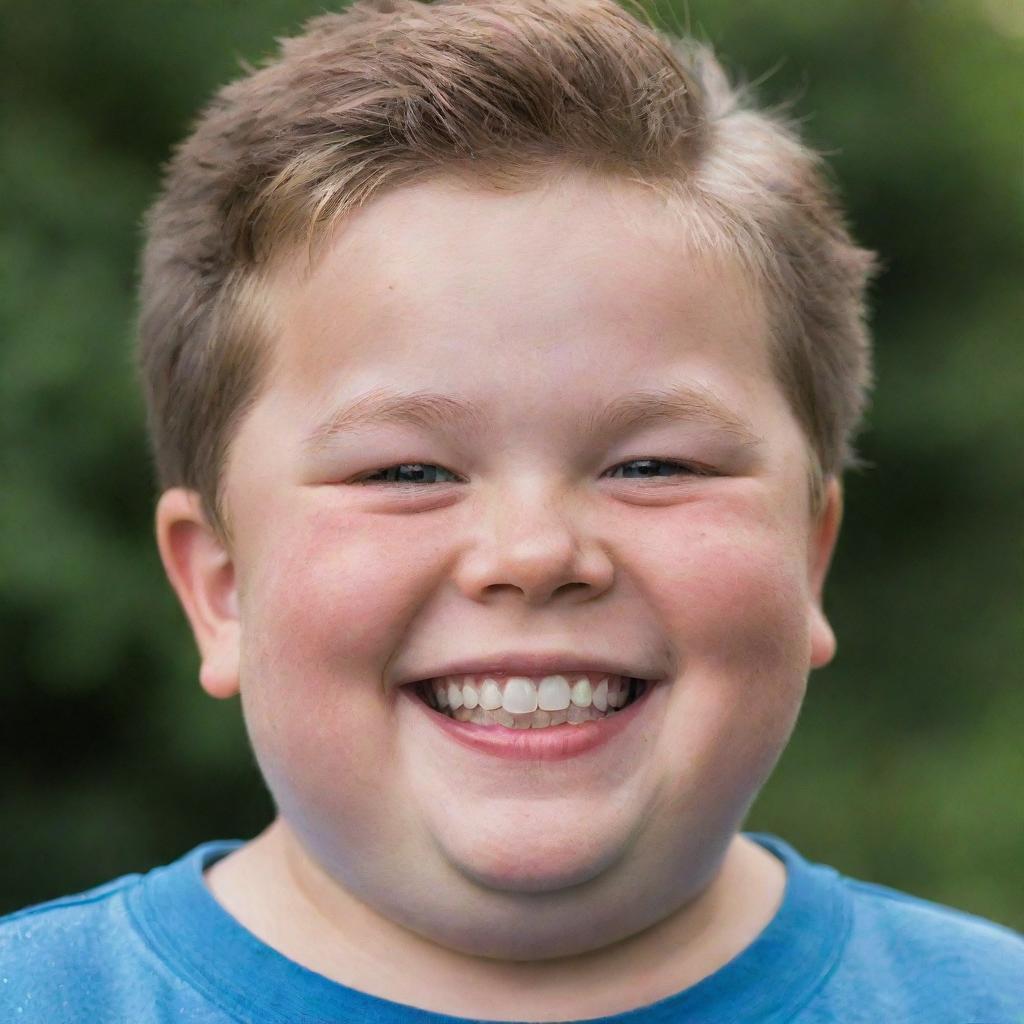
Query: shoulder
point(82, 958)
point(67, 921)
point(915, 960)
point(892, 956)
point(60, 955)
point(919, 924)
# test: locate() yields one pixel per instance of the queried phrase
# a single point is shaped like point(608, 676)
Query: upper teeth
point(522, 695)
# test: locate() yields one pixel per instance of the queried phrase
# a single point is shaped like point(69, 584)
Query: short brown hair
point(389, 92)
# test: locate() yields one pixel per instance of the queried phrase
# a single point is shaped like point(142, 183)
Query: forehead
point(582, 276)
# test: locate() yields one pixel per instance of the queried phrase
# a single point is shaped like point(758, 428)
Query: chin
point(529, 852)
point(513, 917)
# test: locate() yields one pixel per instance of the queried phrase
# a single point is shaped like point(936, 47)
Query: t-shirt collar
point(203, 944)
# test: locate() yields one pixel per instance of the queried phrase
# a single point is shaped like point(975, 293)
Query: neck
point(279, 894)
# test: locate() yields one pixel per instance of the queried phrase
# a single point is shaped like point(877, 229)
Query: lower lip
point(553, 743)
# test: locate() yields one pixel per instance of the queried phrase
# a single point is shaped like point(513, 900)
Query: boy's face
point(541, 536)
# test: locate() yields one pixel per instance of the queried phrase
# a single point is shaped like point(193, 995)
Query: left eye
point(653, 467)
point(428, 473)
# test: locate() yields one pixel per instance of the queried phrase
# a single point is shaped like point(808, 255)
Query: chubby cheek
point(320, 619)
point(735, 601)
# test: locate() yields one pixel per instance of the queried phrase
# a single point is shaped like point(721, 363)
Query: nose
point(537, 545)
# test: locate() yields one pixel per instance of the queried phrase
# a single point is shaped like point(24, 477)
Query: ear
point(823, 542)
point(203, 576)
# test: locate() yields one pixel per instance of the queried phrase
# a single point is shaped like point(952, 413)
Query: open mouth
point(522, 702)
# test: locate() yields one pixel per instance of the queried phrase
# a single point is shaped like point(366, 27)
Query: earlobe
point(823, 639)
point(202, 573)
point(823, 543)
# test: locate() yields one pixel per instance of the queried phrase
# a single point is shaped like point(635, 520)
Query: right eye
point(405, 473)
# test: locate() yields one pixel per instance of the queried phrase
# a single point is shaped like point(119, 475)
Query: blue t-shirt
point(155, 948)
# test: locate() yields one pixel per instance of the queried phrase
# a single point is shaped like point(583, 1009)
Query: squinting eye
point(652, 467)
point(419, 473)
point(428, 473)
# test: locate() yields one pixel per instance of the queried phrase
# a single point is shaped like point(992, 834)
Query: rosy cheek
point(733, 605)
point(326, 617)
point(330, 592)
point(735, 596)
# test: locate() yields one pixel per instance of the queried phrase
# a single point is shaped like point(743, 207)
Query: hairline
point(298, 254)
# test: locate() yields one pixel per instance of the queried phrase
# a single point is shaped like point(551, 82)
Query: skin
point(401, 863)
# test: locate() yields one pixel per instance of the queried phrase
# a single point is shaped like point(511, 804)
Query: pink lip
point(554, 743)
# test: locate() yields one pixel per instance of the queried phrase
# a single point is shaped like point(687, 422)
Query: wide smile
point(529, 718)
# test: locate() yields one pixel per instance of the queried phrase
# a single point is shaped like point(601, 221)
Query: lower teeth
point(572, 715)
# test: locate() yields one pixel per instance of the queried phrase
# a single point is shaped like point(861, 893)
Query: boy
point(501, 370)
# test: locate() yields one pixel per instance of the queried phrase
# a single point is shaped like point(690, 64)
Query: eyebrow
point(431, 410)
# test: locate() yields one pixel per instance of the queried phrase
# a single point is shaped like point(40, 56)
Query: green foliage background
point(907, 767)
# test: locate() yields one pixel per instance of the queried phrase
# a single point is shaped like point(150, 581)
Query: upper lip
point(509, 662)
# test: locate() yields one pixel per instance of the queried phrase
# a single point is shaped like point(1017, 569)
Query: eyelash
point(688, 468)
